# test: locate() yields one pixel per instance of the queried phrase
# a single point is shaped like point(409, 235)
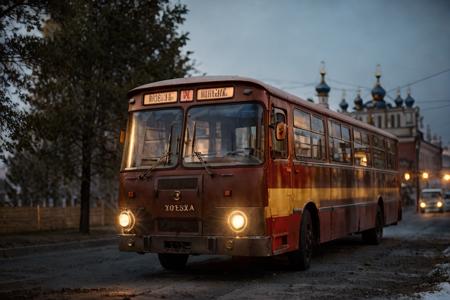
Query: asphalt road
point(346, 269)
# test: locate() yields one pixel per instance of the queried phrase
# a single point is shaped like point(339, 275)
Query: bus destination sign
point(160, 98)
point(215, 93)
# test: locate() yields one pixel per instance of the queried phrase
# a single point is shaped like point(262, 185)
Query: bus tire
point(374, 235)
point(301, 258)
point(172, 261)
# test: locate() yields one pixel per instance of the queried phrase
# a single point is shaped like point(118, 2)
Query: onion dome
point(380, 104)
point(409, 101)
point(343, 104)
point(358, 101)
point(322, 88)
point(399, 100)
point(378, 91)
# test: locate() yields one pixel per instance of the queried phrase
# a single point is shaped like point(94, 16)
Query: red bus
point(233, 166)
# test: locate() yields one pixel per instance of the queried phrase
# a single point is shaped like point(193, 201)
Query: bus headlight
point(126, 219)
point(422, 205)
point(237, 220)
point(439, 204)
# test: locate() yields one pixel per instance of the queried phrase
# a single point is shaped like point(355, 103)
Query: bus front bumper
point(220, 245)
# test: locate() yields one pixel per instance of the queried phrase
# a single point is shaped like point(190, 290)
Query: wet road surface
point(346, 269)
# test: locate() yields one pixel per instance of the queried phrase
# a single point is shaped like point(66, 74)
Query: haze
point(283, 42)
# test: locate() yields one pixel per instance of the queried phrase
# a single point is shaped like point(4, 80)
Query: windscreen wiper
point(204, 164)
point(157, 163)
point(169, 147)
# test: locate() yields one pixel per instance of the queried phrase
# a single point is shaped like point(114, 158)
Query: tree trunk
point(85, 182)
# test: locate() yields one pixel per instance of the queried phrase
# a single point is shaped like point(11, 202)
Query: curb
point(27, 250)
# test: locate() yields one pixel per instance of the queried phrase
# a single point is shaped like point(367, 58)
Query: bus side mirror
point(280, 131)
point(122, 136)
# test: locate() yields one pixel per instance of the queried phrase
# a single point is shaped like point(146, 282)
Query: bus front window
point(153, 138)
point(224, 134)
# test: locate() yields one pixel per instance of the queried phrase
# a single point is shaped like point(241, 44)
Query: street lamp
point(446, 177)
point(425, 177)
point(407, 176)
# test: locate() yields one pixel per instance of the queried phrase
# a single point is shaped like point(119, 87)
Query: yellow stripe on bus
point(283, 201)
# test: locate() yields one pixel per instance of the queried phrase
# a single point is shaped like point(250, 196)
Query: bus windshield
point(153, 139)
point(224, 134)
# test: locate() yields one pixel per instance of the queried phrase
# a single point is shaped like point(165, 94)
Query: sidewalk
point(35, 242)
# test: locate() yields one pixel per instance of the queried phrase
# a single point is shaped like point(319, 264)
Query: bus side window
point(279, 148)
point(309, 139)
point(362, 148)
point(346, 144)
point(391, 154)
point(379, 158)
point(339, 143)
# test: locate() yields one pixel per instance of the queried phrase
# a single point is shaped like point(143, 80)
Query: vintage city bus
point(233, 166)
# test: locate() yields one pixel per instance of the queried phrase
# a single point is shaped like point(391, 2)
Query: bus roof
point(272, 90)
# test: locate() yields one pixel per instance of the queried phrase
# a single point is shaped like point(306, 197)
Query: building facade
point(418, 154)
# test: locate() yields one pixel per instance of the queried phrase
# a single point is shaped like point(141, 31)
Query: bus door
point(280, 180)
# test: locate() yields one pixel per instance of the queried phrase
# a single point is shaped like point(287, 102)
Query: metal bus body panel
point(218, 245)
point(345, 196)
point(208, 199)
point(212, 199)
point(243, 91)
point(347, 204)
point(211, 210)
point(242, 83)
point(275, 193)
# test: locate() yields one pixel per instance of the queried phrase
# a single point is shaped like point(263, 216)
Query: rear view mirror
point(122, 136)
point(280, 131)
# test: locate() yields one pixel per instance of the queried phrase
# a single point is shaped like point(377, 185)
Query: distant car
point(431, 200)
point(447, 201)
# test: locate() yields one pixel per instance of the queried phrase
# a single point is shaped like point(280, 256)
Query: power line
point(300, 85)
point(436, 107)
point(421, 101)
point(422, 79)
point(343, 89)
point(281, 81)
point(296, 86)
point(349, 84)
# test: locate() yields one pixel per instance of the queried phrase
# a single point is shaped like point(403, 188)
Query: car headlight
point(439, 204)
point(237, 220)
point(422, 205)
point(126, 220)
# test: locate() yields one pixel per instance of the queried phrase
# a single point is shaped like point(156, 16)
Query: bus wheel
point(172, 261)
point(301, 258)
point(374, 235)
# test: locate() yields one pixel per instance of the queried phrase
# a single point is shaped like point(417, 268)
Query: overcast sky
point(283, 42)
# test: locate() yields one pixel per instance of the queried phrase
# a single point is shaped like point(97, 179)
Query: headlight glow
point(439, 204)
point(126, 219)
point(237, 220)
point(423, 205)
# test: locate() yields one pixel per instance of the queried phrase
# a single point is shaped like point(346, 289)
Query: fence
point(25, 219)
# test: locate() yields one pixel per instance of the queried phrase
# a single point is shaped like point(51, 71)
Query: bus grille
point(177, 183)
point(178, 225)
